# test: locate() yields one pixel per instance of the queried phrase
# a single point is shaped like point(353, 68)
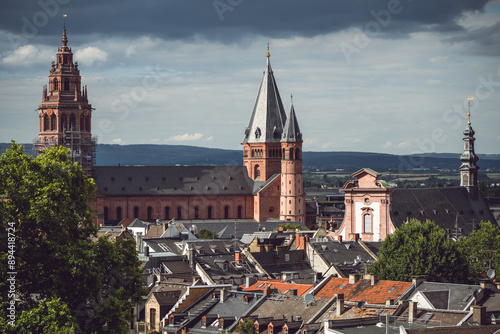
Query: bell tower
point(262, 142)
point(65, 114)
point(469, 169)
point(292, 202)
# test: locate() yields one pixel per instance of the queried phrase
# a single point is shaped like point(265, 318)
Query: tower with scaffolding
point(65, 113)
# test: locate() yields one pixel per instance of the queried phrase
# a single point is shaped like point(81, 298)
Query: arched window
point(46, 125)
point(367, 223)
point(118, 213)
point(136, 212)
point(53, 124)
point(87, 123)
point(150, 212)
point(64, 122)
point(167, 212)
point(82, 123)
point(257, 172)
point(179, 212)
point(152, 318)
point(209, 215)
point(66, 85)
point(106, 211)
point(196, 212)
point(240, 212)
point(226, 212)
point(72, 122)
point(291, 157)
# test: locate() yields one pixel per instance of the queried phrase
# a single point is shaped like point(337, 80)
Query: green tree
point(46, 209)
point(420, 248)
point(205, 233)
point(245, 327)
point(482, 250)
point(289, 226)
point(51, 316)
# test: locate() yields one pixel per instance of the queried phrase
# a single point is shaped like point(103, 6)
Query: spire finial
point(64, 38)
point(291, 98)
point(468, 114)
point(268, 54)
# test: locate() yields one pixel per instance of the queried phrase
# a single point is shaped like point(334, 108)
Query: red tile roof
point(363, 291)
point(278, 284)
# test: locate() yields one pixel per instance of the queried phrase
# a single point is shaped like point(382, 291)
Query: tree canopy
point(205, 233)
point(482, 250)
point(420, 248)
point(46, 209)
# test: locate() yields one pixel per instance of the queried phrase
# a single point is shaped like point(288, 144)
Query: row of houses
point(286, 282)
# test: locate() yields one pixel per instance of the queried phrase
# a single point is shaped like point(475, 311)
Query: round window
point(367, 200)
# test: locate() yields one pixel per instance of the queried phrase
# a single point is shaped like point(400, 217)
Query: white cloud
point(118, 141)
point(433, 82)
point(91, 54)
point(186, 137)
point(405, 144)
point(387, 144)
point(209, 138)
point(28, 55)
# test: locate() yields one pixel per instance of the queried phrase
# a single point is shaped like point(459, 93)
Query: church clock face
point(86, 112)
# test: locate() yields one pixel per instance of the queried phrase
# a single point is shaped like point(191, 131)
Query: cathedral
point(268, 186)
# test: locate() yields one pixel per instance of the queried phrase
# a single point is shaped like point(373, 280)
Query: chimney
point(412, 312)
point(373, 278)
point(237, 257)
point(355, 237)
point(353, 278)
point(389, 302)
point(223, 295)
point(416, 280)
point(247, 282)
point(191, 257)
point(340, 304)
point(339, 238)
point(146, 251)
point(165, 225)
point(479, 314)
point(297, 241)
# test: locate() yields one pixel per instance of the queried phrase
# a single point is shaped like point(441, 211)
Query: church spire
point(291, 131)
point(469, 168)
point(268, 116)
point(64, 38)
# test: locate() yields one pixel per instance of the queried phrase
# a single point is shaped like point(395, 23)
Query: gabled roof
point(268, 115)
point(444, 206)
point(342, 253)
point(173, 180)
point(291, 132)
point(446, 296)
point(363, 291)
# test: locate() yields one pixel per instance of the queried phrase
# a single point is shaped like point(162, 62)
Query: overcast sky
point(372, 76)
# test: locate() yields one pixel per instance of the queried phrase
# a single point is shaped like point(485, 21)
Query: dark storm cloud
point(228, 20)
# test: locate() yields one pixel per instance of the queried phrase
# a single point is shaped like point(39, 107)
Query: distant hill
point(157, 155)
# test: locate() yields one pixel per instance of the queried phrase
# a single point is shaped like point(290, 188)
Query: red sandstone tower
point(272, 154)
point(293, 204)
point(65, 113)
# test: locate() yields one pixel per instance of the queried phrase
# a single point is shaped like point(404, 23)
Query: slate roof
point(274, 263)
point(268, 115)
point(341, 253)
point(447, 296)
point(232, 228)
point(164, 245)
point(282, 305)
point(363, 291)
point(444, 206)
point(173, 180)
point(492, 329)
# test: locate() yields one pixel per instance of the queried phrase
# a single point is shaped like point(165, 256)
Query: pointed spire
point(291, 132)
point(469, 168)
point(64, 38)
point(268, 116)
point(268, 54)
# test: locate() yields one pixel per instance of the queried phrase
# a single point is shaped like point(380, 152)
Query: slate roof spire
point(291, 132)
point(268, 116)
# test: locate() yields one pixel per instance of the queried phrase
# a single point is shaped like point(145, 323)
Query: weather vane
point(469, 99)
point(64, 19)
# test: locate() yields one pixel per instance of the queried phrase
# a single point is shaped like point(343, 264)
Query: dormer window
point(221, 323)
point(258, 133)
point(204, 322)
point(270, 328)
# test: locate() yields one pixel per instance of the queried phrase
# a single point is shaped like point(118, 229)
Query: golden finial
point(291, 98)
point(468, 114)
point(268, 54)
